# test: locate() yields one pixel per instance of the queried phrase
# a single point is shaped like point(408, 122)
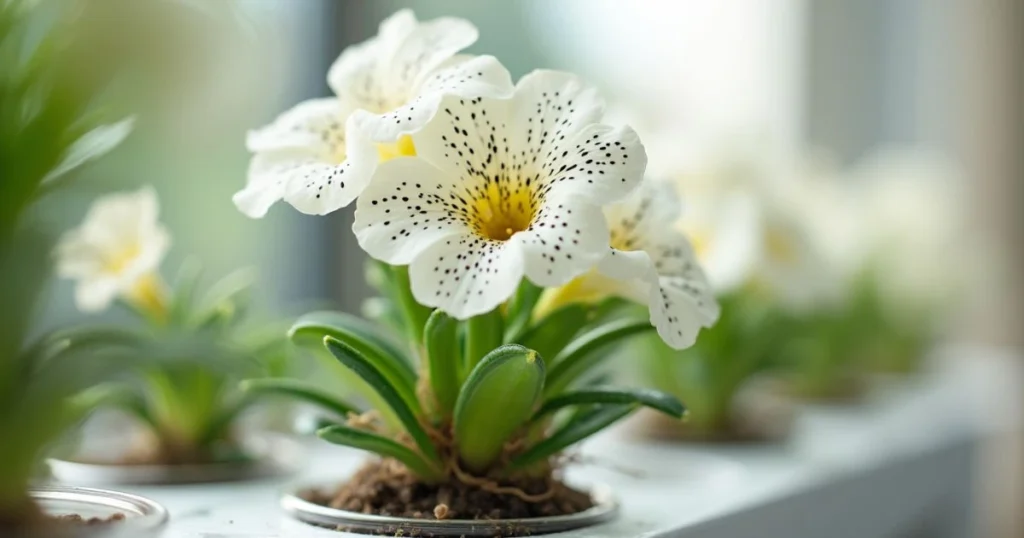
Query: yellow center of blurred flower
point(585, 289)
point(780, 247)
point(150, 295)
point(120, 261)
point(498, 213)
point(402, 148)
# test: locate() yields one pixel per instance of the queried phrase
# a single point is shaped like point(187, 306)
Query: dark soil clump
point(384, 488)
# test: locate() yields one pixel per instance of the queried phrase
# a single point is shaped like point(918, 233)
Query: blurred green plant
point(51, 123)
point(709, 375)
point(183, 364)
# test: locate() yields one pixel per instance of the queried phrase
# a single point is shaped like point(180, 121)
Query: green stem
point(484, 333)
point(414, 314)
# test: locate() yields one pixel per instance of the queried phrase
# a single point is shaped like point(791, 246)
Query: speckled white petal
point(358, 76)
point(679, 308)
point(406, 209)
point(315, 179)
point(426, 47)
point(566, 239)
point(466, 275)
point(466, 78)
point(468, 138)
point(465, 75)
point(602, 164)
point(552, 106)
point(316, 125)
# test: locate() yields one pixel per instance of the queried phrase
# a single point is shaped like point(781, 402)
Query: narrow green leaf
point(659, 401)
point(440, 339)
point(183, 297)
point(378, 444)
point(581, 427)
point(520, 310)
point(369, 372)
point(483, 333)
point(496, 400)
point(555, 331)
point(299, 390)
point(115, 395)
point(310, 330)
point(225, 417)
point(583, 352)
point(413, 312)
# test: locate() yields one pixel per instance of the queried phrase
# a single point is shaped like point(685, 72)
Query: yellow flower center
point(149, 294)
point(118, 262)
point(780, 247)
point(401, 148)
point(498, 212)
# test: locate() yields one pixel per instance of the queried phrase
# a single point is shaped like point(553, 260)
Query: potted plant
point(186, 359)
point(47, 131)
point(477, 197)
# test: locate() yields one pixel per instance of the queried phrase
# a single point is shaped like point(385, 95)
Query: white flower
point(320, 155)
point(753, 228)
point(909, 218)
point(116, 251)
point(501, 189)
point(655, 264)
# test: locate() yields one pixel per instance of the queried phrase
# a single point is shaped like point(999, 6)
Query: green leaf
point(483, 333)
point(520, 309)
point(368, 370)
point(497, 399)
point(184, 295)
point(299, 390)
point(657, 400)
point(555, 331)
point(414, 314)
point(581, 427)
point(116, 395)
point(91, 145)
point(378, 444)
point(440, 339)
point(582, 353)
point(310, 330)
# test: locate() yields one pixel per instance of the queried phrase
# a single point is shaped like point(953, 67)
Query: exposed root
point(370, 421)
point(493, 486)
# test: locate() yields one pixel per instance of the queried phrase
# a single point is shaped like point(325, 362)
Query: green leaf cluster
point(497, 395)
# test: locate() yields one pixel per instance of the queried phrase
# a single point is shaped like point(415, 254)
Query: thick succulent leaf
point(520, 310)
point(575, 430)
point(582, 354)
point(496, 400)
point(310, 330)
point(440, 338)
point(299, 390)
point(378, 444)
point(550, 335)
point(656, 400)
point(369, 371)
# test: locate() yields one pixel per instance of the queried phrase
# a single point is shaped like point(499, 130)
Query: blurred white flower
point(501, 189)
point(752, 228)
point(911, 221)
point(321, 154)
point(116, 252)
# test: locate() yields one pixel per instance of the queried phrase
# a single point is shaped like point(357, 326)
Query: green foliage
point(51, 123)
point(746, 340)
point(480, 395)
